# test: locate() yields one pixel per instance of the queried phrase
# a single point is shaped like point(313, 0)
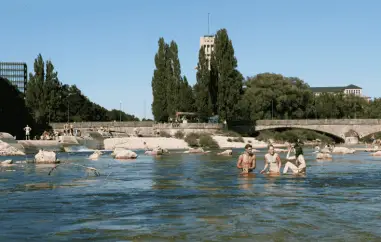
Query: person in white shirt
point(272, 162)
point(300, 164)
point(27, 130)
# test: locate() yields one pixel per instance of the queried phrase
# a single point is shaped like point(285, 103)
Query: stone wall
point(146, 128)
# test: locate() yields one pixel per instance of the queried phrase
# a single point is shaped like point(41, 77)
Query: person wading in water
point(300, 167)
point(272, 162)
point(247, 161)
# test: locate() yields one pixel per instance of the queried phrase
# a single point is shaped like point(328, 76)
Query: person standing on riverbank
point(247, 161)
point(27, 130)
point(272, 162)
point(300, 166)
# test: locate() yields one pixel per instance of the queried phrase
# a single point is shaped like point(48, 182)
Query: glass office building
point(16, 73)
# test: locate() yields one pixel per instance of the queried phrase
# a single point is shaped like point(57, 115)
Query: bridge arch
point(336, 135)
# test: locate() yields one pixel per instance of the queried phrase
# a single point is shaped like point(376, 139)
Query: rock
point(116, 150)
point(343, 150)
point(125, 154)
point(325, 151)
point(45, 157)
point(378, 153)
point(195, 150)
point(8, 150)
point(323, 156)
point(95, 155)
point(7, 163)
point(226, 152)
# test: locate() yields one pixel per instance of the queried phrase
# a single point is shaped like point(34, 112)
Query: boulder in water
point(343, 150)
point(8, 150)
point(325, 151)
point(7, 163)
point(95, 155)
point(323, 156)
point(45, 157)
point(125, 154)
point(226, 152)
point(195, 150)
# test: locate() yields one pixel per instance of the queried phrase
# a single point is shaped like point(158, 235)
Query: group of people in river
point(247, 161)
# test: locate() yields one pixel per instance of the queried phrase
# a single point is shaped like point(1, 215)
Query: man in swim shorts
point(247, 161)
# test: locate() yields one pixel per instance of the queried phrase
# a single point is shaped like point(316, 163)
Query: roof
point(334, 89)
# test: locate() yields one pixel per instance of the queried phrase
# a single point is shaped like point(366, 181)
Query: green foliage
point(165, 134)
point(206, 141)
point(229, 80)
point(292, 135)
point(13, 111)
point(51, 101)
point(202, 89)
point(179, 134)
point(192, 139)
point(170, 91)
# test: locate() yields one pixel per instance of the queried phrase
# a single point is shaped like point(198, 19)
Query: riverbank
point(224, 142)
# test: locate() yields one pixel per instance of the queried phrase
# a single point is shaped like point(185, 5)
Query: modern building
point(16, 73)
point(207, 41)
point(350, 89)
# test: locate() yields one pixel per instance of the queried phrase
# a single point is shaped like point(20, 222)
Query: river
point(186, 197)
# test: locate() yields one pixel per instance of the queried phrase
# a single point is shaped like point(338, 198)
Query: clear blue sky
point(107, 48)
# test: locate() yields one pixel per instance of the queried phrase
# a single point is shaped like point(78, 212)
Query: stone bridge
point(146, 128)
point(341, 128)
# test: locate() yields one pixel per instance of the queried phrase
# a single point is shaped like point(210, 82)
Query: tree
point(174, 79)
point(270, 95)
point(203, 96)
point(159, 84)
point(13, 111)
point(186, 97)
point(44, 92)
point(225, 74)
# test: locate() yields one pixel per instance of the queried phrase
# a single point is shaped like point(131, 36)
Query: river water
point(185, 197)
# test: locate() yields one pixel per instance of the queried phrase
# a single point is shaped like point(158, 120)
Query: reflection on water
point(184, 197)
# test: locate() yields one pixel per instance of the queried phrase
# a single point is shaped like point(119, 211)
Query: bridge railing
point(141, 124)
point(88, 125)
point(188, 126)
point(319, 122)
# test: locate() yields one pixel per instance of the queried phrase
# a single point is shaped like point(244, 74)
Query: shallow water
point(186, 197)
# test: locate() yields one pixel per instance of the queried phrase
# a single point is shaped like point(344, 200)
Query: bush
point(192, 139)
point(239, 139)
point(206, 141)
point(229, 140)
point(179, 134)
point(230, 133)
point(249, 141)
point(165, 134)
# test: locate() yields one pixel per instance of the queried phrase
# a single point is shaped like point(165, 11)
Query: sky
point(107, 48)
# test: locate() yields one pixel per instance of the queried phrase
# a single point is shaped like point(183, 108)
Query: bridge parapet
point(319, 122)
point(88, 125)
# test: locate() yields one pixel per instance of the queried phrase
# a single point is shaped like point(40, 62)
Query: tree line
point(48, 100)
point(220, 89)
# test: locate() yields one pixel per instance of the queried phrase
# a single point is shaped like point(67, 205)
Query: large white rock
point(7, 163)
point(8, 150)
point(342, 150)
point(116, 150)
point(195, 150)
point(325, 151)
point(45, 157)
point(125, 154)
point(95, 155)
point(226, 152)
point(323, 156)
